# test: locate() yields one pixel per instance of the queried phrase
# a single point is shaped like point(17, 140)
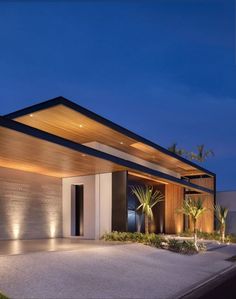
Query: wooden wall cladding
point(204, 182)
point(205, 222)
point(174, 195)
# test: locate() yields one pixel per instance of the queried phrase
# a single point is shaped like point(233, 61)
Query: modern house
point(66, 171)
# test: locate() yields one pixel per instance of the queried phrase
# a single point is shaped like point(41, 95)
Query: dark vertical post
point(119, 201)
point(79, 210)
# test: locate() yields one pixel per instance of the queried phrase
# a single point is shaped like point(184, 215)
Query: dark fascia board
point(63, 101)
point(204, 176)
point(22, 128)
point(224, 191)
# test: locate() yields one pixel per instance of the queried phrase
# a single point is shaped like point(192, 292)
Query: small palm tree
point(173, 148)
point(201, 154)
point(193, 208)
point(147, 198)
point(221, 215)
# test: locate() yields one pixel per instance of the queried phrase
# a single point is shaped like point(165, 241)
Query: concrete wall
point(30, 205)
point(97, 204)
point(103, 203)
point(228, 200)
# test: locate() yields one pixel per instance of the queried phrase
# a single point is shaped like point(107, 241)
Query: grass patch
point(154, 240)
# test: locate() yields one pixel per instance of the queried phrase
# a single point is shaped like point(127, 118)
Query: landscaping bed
point(154, 240)
point(215, 236)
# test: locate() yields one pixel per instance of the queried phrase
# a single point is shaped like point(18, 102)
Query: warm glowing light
point(83, 155)
point(178, 229)
point(81, 126)
point(121, 142)
point(16, 230)
point(52, 230)
point(31, 115)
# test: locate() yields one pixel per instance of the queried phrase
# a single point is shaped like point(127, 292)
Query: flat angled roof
point(66, 119)
point(26, 148)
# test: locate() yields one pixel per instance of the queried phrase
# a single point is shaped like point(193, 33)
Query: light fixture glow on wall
point(16, 230)
point(52, 230)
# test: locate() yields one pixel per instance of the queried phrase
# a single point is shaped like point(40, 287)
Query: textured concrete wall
point(30, 205)
point(103, 204)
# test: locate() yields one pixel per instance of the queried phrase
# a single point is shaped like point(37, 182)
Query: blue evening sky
point(164, 69)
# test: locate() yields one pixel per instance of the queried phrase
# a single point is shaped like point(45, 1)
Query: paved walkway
point(101, 271)
point(14, 247)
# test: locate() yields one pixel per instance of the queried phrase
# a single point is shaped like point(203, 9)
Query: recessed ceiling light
point(31, 115)
point(81, 126)
point(83, 155)
point(121, 142)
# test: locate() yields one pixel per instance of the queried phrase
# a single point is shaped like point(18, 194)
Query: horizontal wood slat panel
point(204, 182)
point(23, 152)
point(205, 222)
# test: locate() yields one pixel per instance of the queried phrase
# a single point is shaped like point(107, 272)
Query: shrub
point(147, 239)
point(185, 247)
point(158, 241)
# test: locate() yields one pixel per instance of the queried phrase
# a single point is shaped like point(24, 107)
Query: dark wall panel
point(159, 213)
point(119, 201)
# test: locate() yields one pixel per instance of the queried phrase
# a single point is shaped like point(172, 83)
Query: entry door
point(77, 210)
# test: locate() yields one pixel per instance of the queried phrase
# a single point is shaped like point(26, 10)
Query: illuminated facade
point(66, 171)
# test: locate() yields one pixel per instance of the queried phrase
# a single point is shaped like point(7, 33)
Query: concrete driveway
point(117, 271)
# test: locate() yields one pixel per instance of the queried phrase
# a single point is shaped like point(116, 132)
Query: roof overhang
point(26, 148)
point(63, 118)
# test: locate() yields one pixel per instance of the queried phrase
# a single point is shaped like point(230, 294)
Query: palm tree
point(193, 208)
point(221, 215)
point(202, 154)
point(173, 148)
point(147, 198)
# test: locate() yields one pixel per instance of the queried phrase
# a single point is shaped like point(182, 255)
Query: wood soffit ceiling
point(72, 125)
point(27, 153)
